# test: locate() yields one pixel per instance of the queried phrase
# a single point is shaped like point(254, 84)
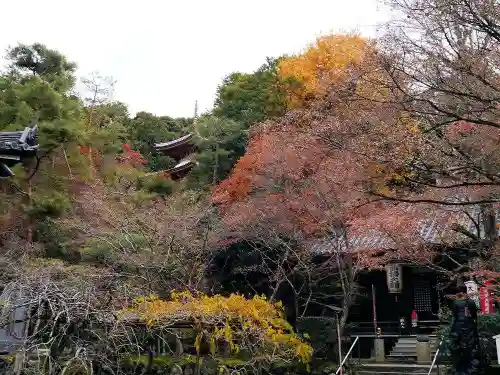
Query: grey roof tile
point(437, 229)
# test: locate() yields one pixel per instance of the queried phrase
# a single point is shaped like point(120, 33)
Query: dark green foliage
point(54, 237)
point(109, 127)
point(252, 97)
point(38, 60)
point(105, 248)
point(146, 129)
point(323, 335)
point(242, 99)
point(220, 143)
point(50, 205)
point(188, 363)
point(37, 91)
point(156, 184)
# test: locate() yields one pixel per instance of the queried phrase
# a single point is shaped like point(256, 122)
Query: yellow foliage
point(234, 319)
point(324, 63)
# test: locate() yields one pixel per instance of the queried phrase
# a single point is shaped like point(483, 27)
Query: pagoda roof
point(178, 148)
point(174, 143)
point(15, 146)
point(181, 169)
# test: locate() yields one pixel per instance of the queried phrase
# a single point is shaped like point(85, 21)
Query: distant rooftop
point(181, 169)
point(437, 227)
point(14, 146)
point(173, 143)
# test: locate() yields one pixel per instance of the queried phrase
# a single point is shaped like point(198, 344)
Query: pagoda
point(180, 150)
point(15, 147)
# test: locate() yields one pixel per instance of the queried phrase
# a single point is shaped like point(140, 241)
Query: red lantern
point(486, 300)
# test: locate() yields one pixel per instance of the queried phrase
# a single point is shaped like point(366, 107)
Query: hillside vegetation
point(121, 269)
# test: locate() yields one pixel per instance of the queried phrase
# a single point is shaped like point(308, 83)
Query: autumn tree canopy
point(355, 148)
point(345, 156)
point(453, 91)
point(306, 168)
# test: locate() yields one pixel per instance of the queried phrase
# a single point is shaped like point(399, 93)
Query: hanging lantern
point(486, 300)
point(472, 291)
point(394, 277)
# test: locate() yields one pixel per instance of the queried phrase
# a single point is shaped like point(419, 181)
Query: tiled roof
point(14, 146)
point(437, 227)
point(19, 140)
point(174, 142)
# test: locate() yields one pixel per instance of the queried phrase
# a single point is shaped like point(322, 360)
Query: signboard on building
point(394, 277)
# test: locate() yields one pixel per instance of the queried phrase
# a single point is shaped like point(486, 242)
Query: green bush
point(322, 333)
point(52, 205)
point(55, 238)
point(102, 249)
point(156, 184)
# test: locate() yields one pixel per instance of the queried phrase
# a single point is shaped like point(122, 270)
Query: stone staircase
point(402, 360)
point(396, 368)
point(405, 349)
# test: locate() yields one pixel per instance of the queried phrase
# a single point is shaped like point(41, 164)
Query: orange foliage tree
point(331, 62)
point(326, 162)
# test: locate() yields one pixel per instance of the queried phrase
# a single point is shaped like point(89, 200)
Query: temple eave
point(181, 169)
point(179, 142)
point(16, 146)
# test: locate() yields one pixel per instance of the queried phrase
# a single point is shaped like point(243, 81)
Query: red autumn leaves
point(131, 157)
point(128, 156)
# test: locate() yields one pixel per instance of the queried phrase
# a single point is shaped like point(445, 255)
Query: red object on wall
point(414, 318)
point(485, 299)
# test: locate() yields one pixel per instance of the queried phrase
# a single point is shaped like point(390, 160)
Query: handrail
point(435, 357)
point(347, 355)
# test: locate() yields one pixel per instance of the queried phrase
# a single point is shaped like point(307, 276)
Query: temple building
point(401, 297)
point(180, 150)
point(405, 297)
point(15, 147)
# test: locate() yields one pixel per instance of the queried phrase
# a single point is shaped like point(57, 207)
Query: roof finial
point(196, 111)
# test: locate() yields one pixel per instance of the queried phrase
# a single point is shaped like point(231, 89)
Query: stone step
point(396, 368)
point(402, 355)
point(408, 348)
point(412, 356)
point(411, 347)
point(406, 355)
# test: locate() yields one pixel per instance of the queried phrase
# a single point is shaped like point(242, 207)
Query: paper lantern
point(394, 277)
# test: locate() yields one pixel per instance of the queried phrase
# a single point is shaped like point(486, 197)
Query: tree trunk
point(488, 216)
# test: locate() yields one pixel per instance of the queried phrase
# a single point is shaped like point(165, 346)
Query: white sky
point(167, 54)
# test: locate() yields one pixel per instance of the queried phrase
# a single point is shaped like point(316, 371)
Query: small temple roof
point(23, 140)
point(178, 148)
point(174, 143)
point(183, 163)
point(181, 169)
point(438, 227)
point(15, 146)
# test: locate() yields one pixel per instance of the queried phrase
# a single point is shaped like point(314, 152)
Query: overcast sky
point(166, 54)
